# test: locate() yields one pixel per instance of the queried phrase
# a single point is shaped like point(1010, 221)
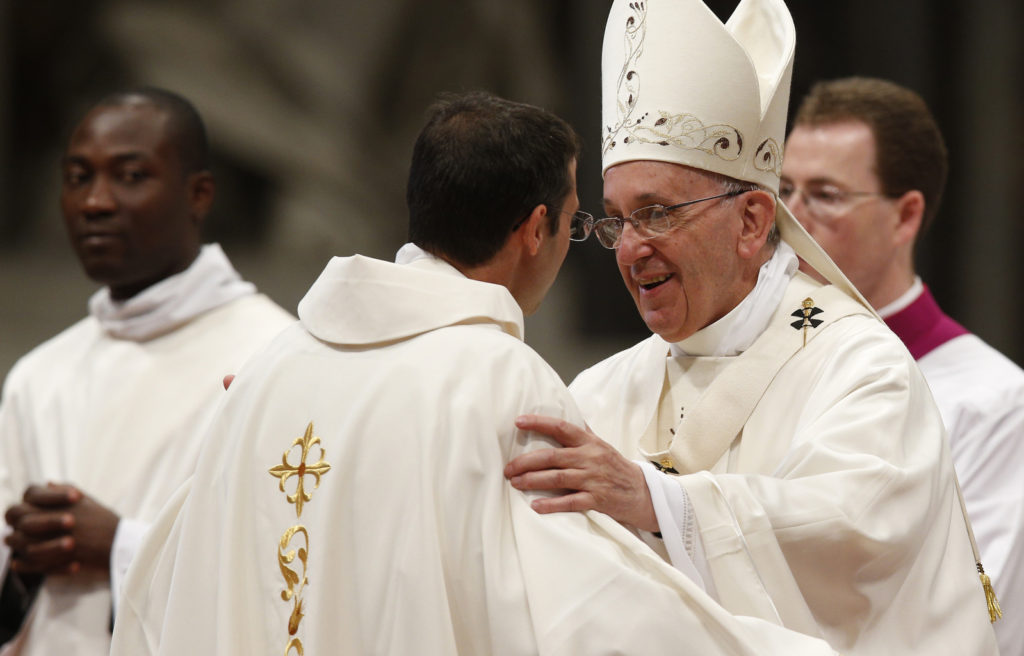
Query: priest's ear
point(535, 228)
point(200, 189)
point(757, 214)
point(910, 214)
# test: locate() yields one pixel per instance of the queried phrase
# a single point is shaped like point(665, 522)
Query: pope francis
point(786, 445)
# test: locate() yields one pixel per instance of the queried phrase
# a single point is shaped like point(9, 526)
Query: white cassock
point(814, 481)
point(115, 405)
point(980, 393)
point(350, 500)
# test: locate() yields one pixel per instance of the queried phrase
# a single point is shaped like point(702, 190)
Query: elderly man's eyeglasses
point(648, 222)
point(824, 200)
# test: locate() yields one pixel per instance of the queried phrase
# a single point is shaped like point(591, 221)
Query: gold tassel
point(994, 611)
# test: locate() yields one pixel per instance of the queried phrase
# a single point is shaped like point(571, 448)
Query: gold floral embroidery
point(688, 132)
point(316, 470)
point(628, 85)
point(768, 157)
point(685, 131)
point(295, 581)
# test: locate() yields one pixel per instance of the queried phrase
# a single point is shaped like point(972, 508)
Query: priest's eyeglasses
point(580, 226)
point(648, 222)
point(824, 200)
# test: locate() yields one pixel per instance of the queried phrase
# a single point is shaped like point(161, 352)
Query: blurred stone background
point(312, 107)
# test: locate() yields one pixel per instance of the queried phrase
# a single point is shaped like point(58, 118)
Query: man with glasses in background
point(864, 173)
point(785, 441)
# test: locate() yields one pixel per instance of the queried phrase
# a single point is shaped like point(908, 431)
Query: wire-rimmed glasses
point(648, 222)
point(824, 200)
point(580, 225)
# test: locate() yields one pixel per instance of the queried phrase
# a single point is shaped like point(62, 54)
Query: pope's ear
point(534, 229)
point(758, 216)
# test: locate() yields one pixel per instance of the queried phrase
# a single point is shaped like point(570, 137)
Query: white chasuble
point(820, 478)
point(350, 499)
point(980, 393)
point(121, 419)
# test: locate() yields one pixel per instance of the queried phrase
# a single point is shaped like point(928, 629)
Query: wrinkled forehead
point(652, 181)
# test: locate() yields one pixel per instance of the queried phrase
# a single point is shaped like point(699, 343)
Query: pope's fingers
point(549, 479)
point(537, 460)
point(564, 432)
point(576, 502)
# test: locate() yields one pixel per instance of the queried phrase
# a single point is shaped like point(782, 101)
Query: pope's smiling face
point(691, 276)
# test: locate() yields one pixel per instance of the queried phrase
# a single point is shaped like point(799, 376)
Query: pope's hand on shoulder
point(591, 473)
point(58, 529)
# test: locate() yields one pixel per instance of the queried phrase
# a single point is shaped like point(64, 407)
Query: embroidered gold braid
point(295, 581)
point(995, 613)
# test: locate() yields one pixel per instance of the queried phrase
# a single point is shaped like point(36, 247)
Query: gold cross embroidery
point(286, 470)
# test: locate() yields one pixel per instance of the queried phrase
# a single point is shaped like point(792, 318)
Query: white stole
point(209, 282)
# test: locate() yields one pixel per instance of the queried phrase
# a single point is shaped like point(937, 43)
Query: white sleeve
point(678, 525)
point(127, 541)
point(5, 551)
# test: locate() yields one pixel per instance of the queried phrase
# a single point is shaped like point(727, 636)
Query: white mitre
point(679, 86)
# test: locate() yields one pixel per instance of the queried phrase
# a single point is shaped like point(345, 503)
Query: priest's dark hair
point(186, 128)
point(910, 153)
point(479, 168)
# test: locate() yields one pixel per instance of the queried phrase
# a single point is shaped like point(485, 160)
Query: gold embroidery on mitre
point(628, 86)
point(768, 157)
point(295, 582)
point(286, 470)
point(684, 131)
point(688, 132)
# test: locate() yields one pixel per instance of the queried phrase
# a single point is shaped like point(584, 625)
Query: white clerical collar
point(737, 330)
point(903, 301)
point(412, 254)
point(209, 282)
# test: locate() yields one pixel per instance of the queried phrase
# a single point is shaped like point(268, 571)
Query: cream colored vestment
point(831, 504)
point(122, 420)
point(392, 404)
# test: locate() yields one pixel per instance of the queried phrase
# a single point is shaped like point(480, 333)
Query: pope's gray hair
point(729, 184)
